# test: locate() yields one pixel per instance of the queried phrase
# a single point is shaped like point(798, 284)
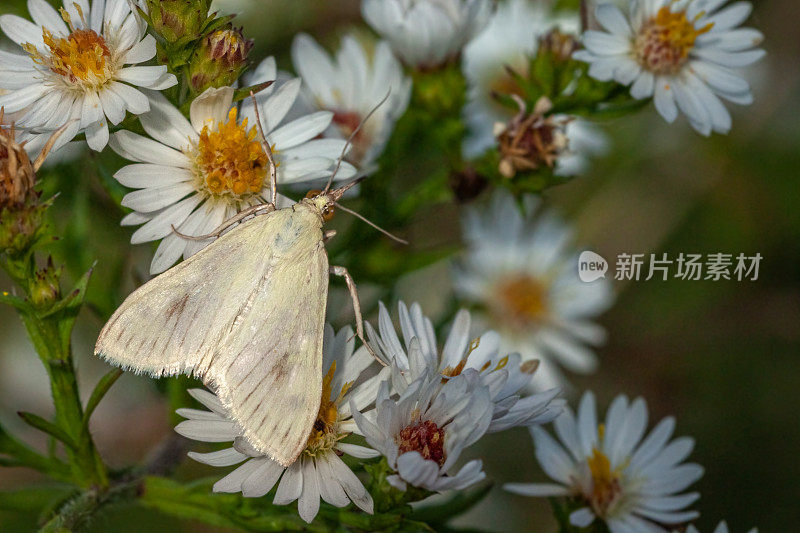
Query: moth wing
point(173, 323)
point(268, 371)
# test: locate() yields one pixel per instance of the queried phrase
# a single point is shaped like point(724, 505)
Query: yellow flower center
point(82, 58)
point(521, 300)
point(606, 487)
point(230, 159)
point(664, 42)
point(325, 432)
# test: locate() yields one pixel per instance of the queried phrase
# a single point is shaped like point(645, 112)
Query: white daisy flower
point(524, 272)
point(319, 472)
point(194, 174)
point(351, 85)
point(680, 52)
point(504, 376)
point(509, 40)
point(722, 527)
point(79, 65)
point(423, 432)
point(629, 483)
point(427, 33)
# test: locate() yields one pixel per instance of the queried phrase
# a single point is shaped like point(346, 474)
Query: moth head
point(326, 200)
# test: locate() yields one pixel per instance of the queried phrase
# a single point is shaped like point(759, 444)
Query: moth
point(246, 315)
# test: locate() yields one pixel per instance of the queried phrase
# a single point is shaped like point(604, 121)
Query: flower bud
point(45, 287)
point(21, 213)
point(558, 45)
point(467, 184)
point(219, 60)
point(530, 141)
point(175, 19)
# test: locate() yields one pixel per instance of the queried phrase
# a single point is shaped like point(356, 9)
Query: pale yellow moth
point(246, 315)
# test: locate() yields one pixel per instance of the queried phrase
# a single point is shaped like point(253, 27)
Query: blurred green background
point(721, 356)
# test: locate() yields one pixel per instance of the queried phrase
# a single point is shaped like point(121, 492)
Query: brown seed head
point(17, 174)
point(530, 141)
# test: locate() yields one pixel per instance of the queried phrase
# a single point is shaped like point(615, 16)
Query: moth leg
point(228, 223)
point(328, 235)
point(351, 286)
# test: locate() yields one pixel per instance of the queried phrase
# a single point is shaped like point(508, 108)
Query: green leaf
point(21, 455)
point(15, 301)
point(100, 390)
point(33, 499)
point(244, 92)
point(41, 424)
point(197, 502)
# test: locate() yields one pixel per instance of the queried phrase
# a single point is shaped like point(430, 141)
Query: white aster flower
point(629, 483)
point(351, 85)
point(75, 68)
point(319, 472)
point(680, 52)
point(509, 40)
point(427, 33)
point(722, 527)
point(504, 375)
point(194, 174)
point(423, 432)
point(524, 271)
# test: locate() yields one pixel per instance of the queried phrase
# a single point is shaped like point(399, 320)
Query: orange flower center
point(664, 42)
point(424, 437)
point(230, 159)
point(325, 432)
point(522, 300)
point(82, 58)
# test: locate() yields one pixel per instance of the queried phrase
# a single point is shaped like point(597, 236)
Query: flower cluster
point(507, 93)
point(420, 412)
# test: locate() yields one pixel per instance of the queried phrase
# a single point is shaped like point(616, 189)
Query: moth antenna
point(273, 169)
point(352, 136)
point(369, 222)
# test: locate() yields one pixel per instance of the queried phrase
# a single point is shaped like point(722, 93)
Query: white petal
point(161, 225)
point(146, 150)
point(211, 107)
point(538, 490)
point(262, 479)
point(135, 101)
point(226, 457)
point(21, 31)
point(145, 50)
point(582, 517)
point(45, 16)
point(300, 130)
point(291, 485)
point(665, 101)
point(612, 19)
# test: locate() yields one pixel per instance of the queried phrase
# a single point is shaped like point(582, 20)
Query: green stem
point(53, 347)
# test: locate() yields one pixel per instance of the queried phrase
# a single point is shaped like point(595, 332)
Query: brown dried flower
point(17, 174)
point(530, 141)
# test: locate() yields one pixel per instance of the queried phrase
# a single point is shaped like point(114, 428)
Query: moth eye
point(313, 193)
point(327, 212)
